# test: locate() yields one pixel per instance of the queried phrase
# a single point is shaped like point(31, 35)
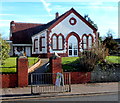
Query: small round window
point(72, 21)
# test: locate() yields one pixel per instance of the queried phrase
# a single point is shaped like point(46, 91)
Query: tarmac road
point(93, 97)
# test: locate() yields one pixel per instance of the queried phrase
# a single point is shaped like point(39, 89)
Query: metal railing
point(46, 83)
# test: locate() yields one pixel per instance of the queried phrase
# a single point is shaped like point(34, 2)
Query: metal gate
point(46, 83)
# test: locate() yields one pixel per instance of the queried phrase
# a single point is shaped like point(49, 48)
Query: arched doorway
point(72, 46)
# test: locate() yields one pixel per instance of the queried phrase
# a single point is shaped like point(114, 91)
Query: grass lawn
point(10, 64)
point(67, 60)
point(72, 60)
point(113, 59)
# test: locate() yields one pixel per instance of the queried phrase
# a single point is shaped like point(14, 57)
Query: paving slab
point(77, 89)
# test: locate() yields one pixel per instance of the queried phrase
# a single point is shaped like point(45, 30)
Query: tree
point(90, 21)
point(110, 43)
point(4, 50)
point(110, 33)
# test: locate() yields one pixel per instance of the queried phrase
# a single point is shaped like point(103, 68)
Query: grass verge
point(72, 60)
point(113, 59)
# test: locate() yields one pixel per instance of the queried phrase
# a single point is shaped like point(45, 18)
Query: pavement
point(76, 89)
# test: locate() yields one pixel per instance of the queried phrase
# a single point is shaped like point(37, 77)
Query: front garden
point(71, 64)
point(10, 64)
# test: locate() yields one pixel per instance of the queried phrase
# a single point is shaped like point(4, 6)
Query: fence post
point(69, 82)
point(22, 71)
point(31, 83)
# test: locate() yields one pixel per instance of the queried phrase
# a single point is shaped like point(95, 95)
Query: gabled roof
point(22, 32)
point(68, 13)
point(22, 26)
point(54, 22)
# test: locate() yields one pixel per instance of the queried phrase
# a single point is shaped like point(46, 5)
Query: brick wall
point(8, 80)
point(19, 79)
point(76, 77)
point(80, 77)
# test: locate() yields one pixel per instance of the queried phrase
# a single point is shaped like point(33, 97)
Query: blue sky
point(103, 13)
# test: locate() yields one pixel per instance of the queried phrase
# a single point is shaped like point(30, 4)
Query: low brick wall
point(76, 77)
point(80, 77)
point(19, 79)
point(8, 80)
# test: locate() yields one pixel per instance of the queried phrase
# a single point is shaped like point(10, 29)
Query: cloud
point(6, 14)
point(46, 5)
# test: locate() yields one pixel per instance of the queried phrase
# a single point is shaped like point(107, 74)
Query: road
point(98, 97)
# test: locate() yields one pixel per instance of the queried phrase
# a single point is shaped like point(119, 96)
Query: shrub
point(89, 59)
point(4, 50)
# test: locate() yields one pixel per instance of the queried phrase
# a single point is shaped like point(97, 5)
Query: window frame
point(41, 43)
point(57, 42)
point(84, 43)
point(87, 41)
point(89, 47)
point(35, 48)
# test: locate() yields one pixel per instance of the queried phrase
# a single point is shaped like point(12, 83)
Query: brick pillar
point(22, 71)
point(56, 65)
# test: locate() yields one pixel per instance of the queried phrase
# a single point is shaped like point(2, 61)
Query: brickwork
point(22, 72)
point(19, 79)
point(80, 77)
point(56, 65)
point(76, 77)
point(8, 80)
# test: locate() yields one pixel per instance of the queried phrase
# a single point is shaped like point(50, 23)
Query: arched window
point(54, 42)
point(60, 42)
point(90, 39)
point(84, 42)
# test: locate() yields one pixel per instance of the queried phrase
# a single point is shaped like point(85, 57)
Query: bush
point(111, 44)
point(4, 50)
point(89, 59)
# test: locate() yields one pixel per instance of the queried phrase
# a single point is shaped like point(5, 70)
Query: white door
point(72, 46)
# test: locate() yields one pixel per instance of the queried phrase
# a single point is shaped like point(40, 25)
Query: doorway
point(72, 46)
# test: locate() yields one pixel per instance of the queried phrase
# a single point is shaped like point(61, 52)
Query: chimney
point(56, 15)
point(12, 23)
point(12, 28)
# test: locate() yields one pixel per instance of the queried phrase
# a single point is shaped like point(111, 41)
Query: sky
point(104, 13)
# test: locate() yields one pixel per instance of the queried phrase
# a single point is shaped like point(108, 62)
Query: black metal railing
point(46, 83)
